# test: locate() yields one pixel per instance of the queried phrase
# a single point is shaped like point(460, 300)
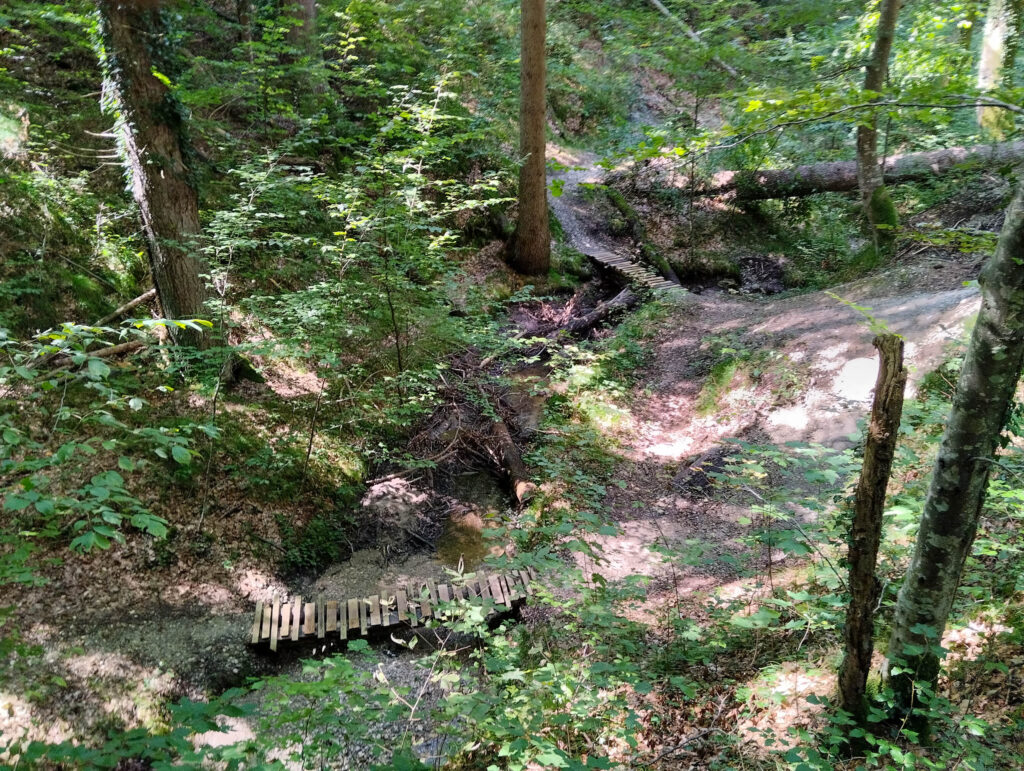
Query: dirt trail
point(823, 371)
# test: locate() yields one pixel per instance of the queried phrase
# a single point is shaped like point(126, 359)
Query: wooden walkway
point(633, 271)
point(280, 621)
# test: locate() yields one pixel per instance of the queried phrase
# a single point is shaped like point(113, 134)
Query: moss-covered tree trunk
point(879, 211)
point(156, 150)
point(949, 521)
point(866, 533)
point(531, 243)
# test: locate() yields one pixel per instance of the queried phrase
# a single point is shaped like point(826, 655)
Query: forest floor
point(124, 631)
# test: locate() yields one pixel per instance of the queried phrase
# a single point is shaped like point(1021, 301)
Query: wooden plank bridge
point(294, 619)
point(632, 270)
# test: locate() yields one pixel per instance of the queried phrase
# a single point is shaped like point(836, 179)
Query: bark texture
point(531, 243)
point(866, 533)
point(152, 131)
point(841, 176)
point(999, 45)
point(622, 301)
point(878, 207)
point(984, 393)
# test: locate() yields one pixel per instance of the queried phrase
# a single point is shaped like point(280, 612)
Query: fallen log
point(840, 176)
point(506, 455)
point(622, 301)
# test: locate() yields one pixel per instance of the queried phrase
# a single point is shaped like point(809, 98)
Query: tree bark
point(999, 44)
point(879, 211)
point(531, 242)
point(949, 521)
point(866, 533)
point(507, 457)
point(841, 176)
point(622, 301)
point(152, 128)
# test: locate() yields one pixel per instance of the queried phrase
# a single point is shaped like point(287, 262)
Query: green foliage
point(66, 414)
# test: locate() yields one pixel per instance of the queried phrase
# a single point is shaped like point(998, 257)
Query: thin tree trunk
point(981, 404)
point(152, 130)
point(531, 243)
point(841, 176)
point(879, 210)
point(866, 533)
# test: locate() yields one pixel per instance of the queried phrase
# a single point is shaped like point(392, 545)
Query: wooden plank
point(444, 592)
point(375, 610)
point(257, 621)
point(343, 620)
point(275, 620)
point(485, 590)
point(495, 587)
point(332, 616)
point(296, 612)
point(362, 616)
point(286, 620)
point(414, 607)
point(403, 605)
point(532, 572)
point(432, 590)
point(321, 616)
point(525, 578)
point(309, 622)
point(386, 613)
point(265, 628)
point(506, 589)
point(353, 614)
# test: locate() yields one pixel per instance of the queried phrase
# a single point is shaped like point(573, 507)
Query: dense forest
point(511, 384)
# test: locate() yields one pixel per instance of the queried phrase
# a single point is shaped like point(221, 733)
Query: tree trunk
point(622, 301)
point(999, 45)
point(981, 404)
point(156, 150)
point(841, 176)
point(866, 533)
point(531, 243)
point(879, 210)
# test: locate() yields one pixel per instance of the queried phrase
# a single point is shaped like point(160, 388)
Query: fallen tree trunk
point(841, 176)
point(622, 301)
point(507, 457)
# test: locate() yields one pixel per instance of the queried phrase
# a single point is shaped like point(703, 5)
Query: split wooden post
point(866, 533)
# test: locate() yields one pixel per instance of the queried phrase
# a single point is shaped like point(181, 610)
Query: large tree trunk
point(866, 533)
point(152, 127)
point(981, 404)
point(841, 176)
point(999, 45)
point(531, 243)
point(879, 210)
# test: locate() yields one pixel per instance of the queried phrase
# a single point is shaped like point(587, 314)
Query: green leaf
point(98, 369)
point(181, 454)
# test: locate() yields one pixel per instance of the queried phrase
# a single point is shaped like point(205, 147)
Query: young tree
point(152, 128)
point(531, 243)
point(879, 210)
point(949, 521)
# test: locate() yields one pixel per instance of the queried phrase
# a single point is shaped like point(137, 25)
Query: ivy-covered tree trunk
point(949, 521)
point(156, 150)
point(531, 243)
point(879, 210)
